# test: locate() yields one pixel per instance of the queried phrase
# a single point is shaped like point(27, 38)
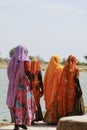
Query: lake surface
point(4, 111)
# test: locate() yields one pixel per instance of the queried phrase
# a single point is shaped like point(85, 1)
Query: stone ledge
point(72, 123)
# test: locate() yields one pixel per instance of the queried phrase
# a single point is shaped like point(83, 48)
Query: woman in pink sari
point(20, 99)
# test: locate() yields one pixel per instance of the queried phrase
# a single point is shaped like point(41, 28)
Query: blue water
point(4, 111)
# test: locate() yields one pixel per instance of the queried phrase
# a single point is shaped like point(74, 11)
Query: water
point(4, 111)
point(83, 83)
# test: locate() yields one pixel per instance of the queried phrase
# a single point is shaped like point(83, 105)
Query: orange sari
point(37, 87)
point(51, 83)
point(35, 68)
point(67, 84)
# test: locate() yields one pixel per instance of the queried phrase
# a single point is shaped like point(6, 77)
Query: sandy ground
point(5, 124)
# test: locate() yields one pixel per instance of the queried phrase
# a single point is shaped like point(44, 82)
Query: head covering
point(15, 72)
point(35, 66)
point(52, 80)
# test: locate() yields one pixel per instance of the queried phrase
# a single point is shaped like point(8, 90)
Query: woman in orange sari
point(72, 101)
point(51, 83)
point(37, 87)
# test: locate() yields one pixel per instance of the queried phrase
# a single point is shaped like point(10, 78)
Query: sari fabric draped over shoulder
point(52, 80)
point(68, 86)
point(15, 72)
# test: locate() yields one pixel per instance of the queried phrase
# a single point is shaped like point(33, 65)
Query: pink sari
point(25, 105)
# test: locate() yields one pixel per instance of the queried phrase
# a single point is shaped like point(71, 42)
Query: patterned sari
point(20, 99)
point(25, 106)
point(71, 104)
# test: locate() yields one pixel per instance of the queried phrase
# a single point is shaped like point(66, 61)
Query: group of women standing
point(60, 87)
point(62, 90)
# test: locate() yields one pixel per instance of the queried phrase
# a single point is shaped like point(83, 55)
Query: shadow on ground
point(42, 124)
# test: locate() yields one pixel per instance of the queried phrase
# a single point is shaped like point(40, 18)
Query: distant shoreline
point(3, 65)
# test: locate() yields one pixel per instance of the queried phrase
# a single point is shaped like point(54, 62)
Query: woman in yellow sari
point(71, 92)
point(51, 83)
point(37, 86)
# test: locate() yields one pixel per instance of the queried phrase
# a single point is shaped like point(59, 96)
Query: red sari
point(70, 104)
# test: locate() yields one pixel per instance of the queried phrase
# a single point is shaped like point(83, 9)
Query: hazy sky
point(45, 27)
